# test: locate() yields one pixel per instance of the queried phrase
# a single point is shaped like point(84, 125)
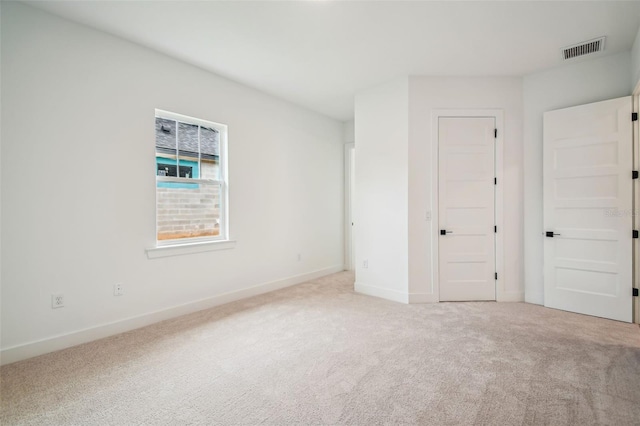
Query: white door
point(466, 208)
point(588, 209)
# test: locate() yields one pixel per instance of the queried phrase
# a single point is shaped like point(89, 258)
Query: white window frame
point(223, 235)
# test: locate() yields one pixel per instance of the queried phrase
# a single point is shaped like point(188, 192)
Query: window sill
point(190, 248)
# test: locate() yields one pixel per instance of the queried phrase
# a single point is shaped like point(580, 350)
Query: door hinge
point(496, 275)
point(635, 292)
point(634, 174)
point(495, 133)
point(634, 116)
point(495, 229)
point(495, 181)
point(635, 233)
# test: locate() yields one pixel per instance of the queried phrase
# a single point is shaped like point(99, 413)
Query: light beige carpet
point(319, 354)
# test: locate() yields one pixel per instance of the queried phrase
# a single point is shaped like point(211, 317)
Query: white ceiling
point(318, 54)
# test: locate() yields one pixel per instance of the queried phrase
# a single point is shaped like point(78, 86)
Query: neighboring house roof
point(187, 139)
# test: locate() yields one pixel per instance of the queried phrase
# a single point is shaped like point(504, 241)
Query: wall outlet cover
point(57, 301)
point(118, 289)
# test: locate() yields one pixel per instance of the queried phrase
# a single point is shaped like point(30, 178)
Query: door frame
point(349, 249)
point(498, 115)
point(635, 130)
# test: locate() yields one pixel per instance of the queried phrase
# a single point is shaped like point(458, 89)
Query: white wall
point(349, 131)
point(427, 94)
point(78, 200)
point(381, 208)
point(635, 63)
point(575, 84)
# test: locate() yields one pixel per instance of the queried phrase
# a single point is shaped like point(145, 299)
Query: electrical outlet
point(118, 289)
point(57, 301)
point(365, 264)
point(427, 216)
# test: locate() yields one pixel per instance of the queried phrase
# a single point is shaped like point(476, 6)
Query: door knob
point(445, 232)
point(550, 234)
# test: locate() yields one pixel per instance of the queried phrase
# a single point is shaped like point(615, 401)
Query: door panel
point(466, 208)
point(588, 205)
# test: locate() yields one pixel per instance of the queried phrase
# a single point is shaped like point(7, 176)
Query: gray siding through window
point(187, 139)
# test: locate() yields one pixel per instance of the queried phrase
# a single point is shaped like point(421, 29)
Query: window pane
point(165, 147)
point(188, 139)
point(186, 171)
point(210, 152)
point(188, 150)
point(187, 210)
point(165, 136)
point(165, 168)
point(210, 169)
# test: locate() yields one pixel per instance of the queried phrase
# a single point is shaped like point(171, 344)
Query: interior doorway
point(466, 208)
point(349, 191)
point(468, 193)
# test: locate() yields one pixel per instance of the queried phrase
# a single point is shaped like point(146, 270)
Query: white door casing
point(636, 201)
point(466, 208)
point(349, 196)
point(587, 181)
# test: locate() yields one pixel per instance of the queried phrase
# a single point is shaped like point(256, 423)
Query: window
point(191, 188)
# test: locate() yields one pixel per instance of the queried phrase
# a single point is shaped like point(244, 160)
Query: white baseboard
point(534, 298)
point(510, 297)
point(383, 293)
point(67, 340)
point(423, 298)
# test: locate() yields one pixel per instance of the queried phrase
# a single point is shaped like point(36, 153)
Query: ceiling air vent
point(584, 48)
